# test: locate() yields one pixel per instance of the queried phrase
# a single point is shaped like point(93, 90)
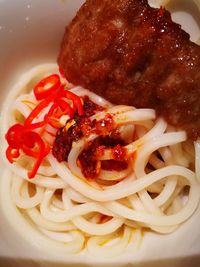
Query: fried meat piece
point(133, 54)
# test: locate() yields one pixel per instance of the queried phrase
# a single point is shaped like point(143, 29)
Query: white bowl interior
point(30, 34)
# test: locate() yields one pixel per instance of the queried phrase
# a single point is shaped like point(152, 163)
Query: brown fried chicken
point(133, 54)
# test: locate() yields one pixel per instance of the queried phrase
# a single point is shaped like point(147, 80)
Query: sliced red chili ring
point(12, 154)
point(65, 107)
point(36, 111)
point(51, 110)
point(35, 125)
point(47, 86)
point(13, 136)
point(54, 122)
point(33, 172)
point(22, 137)
point(33, 145)
point(76, 101)
point(53, 116)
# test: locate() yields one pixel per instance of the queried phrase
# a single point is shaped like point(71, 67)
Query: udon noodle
point(158, 191)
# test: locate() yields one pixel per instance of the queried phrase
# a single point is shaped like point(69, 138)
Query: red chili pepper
point(52, 117)
point(76, 101)
point(35, 125)
point(13, 136)
point(19, 137)
point(54, 122)
point(47, 86)
point(51, 110)
point(33, 172)
point(65, 107)
point(12, 154)
point(22, 137)
point(33, 145)
point(42, 153)
point(36, 111)
point(60, 93)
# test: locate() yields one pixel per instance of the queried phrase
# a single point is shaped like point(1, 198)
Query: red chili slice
point(13, 136)
point(51, 110)
point(44, 151)
point(65, 107)
point(35, 125)
point(36, 111)
point(33, 145)
point(33, 172)
point(76, 101)
point(54, 122)
point(12, 154)
point(23, 138)
point(47, 86)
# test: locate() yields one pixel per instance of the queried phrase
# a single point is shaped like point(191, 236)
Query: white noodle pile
point(159, 190)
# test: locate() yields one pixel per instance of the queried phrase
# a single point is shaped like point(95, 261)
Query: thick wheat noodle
point(70, 212)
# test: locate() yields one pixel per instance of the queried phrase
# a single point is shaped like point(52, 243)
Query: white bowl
point(30, 34)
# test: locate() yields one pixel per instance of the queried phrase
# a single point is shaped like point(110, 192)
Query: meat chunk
point(131, 53)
